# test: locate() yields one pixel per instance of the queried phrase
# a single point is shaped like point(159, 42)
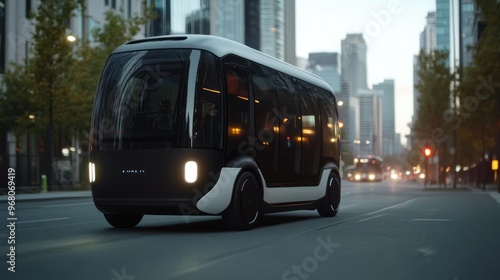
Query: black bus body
point(197, 124)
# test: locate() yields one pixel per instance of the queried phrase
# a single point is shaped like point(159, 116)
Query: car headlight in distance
point(191, 171)
point(357, 177)
point(371, 177)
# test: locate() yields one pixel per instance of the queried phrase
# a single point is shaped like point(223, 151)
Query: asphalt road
point(383, 231)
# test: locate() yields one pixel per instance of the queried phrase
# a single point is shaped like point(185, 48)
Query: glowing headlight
point(190, 171)
point(357, 177)
point(91, 172)
point(371, 177)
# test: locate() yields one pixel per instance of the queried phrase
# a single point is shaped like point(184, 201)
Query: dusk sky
point(391, 29)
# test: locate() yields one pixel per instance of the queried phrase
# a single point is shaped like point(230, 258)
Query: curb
point(48, 196)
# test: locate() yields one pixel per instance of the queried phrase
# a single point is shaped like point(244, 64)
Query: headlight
point(190, 171)
point(91, 172)
point(357, 177)
point(371, 177)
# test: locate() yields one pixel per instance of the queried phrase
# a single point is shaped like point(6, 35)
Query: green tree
point(430, 126)
point(92, 53)
point(17, 106)
point(434, 99)
point(57, 83)
point(479, 90)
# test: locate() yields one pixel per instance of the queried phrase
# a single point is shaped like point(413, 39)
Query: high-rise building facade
point(467, 14)
point(290, 49)
point(428, 35)
point(272, 28)
point(370, 122)
point(353, 75)
point(265, 25)
point(443, 38)
point(388, 138)
point(354, 63)
point(325, 65)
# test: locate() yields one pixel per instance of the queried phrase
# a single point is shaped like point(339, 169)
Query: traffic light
point(427, 152)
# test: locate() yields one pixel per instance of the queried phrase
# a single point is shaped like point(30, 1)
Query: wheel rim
point(249, 200)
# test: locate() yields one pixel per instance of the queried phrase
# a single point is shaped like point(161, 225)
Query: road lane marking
point(390, 207)
point(370, 218)
point(65, 205)
point(44, 220)
point(425, 251)
point(431, 220)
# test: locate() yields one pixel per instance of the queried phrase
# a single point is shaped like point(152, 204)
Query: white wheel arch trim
point(219, 197)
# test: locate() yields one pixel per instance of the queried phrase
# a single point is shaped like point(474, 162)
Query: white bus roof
point(221, 47)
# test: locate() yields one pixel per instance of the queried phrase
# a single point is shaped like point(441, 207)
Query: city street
point(387, 230)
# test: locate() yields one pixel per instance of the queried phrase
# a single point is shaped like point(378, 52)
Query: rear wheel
point(244, 210)
point(329, 205)
point(123, 221)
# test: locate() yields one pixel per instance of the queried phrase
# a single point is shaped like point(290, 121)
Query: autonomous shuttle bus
point(196, 124)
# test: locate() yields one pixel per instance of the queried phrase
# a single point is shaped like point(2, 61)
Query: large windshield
point(146, 100)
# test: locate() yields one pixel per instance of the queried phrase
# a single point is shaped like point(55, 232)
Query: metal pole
point(426, 171)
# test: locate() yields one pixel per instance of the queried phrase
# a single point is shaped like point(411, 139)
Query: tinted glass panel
point(208, 102)
point(267, 122)
point(329, 126)
point(238, 108)
point(290, 128)
point(311, 147)
point(138, 98)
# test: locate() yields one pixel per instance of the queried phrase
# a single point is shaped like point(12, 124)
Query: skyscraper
point(325, 65)
point(428, 35)
point(272, 28)
point(354, 67)
point(388, 138)
point(229, 20)
point(443, 27)
point(353, 75)
point(290, 50)
point(265, 25)
point(466, 31)
point(370, 122)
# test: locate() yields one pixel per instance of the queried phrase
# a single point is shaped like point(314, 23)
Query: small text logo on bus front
point(133, 171)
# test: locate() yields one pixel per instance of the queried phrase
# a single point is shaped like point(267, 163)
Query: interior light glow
point(212, 90)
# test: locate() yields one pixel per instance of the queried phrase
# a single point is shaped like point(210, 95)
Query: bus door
point(289, 130)
point(238, 108)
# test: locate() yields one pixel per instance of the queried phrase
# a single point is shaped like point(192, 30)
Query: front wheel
point(123, 221)
point(244, 210)
point(329, 205)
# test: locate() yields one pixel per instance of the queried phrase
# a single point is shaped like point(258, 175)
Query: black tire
point(123, 221)
point(244, 211)
point(329, 205)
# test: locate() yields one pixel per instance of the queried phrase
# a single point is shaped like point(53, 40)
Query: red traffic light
point(427, 152)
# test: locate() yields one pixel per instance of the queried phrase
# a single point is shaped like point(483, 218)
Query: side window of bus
point(309, 110)
point(237, 75)
point(290, 127)
point(329, 126)
point(208, 101)
point(267, 121)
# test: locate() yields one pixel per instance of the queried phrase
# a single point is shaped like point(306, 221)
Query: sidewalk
point(49, 195)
